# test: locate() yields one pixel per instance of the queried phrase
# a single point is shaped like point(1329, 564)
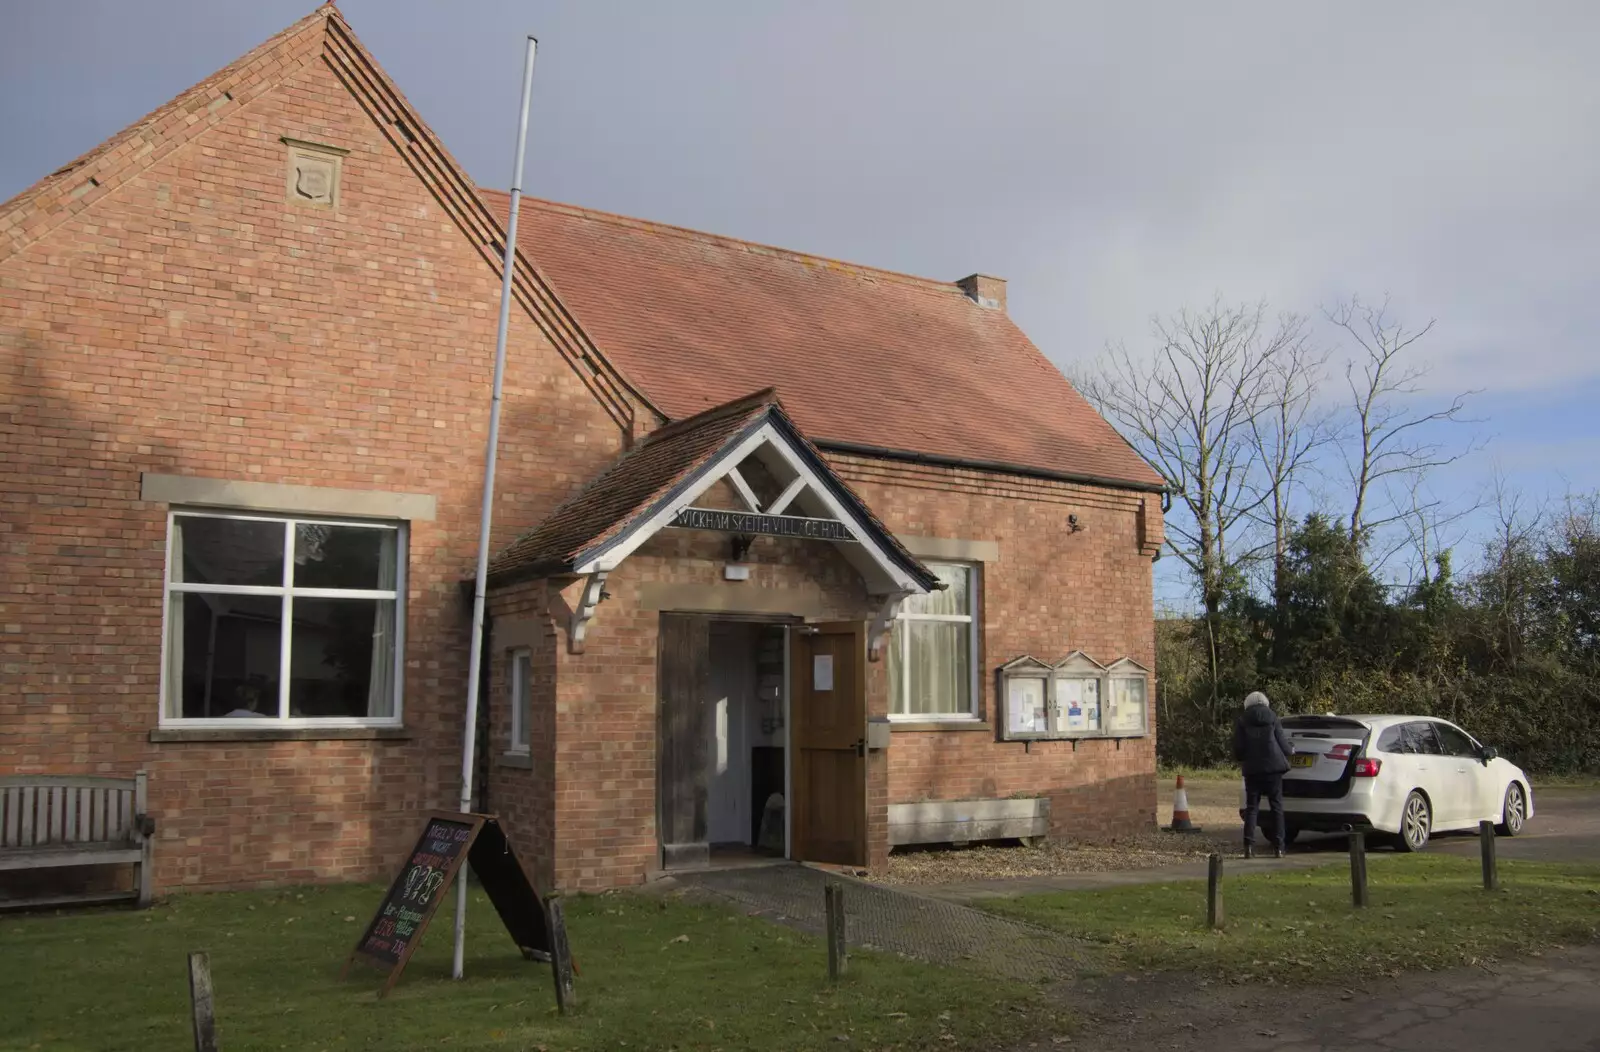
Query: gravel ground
point(943, 865)
point(1213, 805)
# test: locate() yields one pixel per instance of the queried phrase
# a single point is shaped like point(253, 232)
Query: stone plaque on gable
point(314, 173)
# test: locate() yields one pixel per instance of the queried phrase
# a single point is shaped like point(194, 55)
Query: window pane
point(343, 557)
point(341, 657)
point(1455, 742)
point(896, 648)
point(521, 697)
point(956, 597)
point(1419, 736)
point(222, 655)
point(227, 551)
point(939, 668)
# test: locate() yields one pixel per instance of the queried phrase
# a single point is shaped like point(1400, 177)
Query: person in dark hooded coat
point(1262, 748)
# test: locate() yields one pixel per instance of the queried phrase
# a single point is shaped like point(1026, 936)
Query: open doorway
point(748, 738)
point(722, 759)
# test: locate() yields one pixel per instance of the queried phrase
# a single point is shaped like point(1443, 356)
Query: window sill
point(520, 760)
point(938, 725)
point(278, 734)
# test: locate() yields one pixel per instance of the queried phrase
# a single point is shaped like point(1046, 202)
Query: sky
point(1111, 161)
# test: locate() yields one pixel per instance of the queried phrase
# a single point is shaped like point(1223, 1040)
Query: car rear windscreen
point(1326, 724)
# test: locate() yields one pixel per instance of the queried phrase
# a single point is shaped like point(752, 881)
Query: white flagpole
point(475, 656)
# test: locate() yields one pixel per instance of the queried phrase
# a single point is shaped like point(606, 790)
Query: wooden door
point(828, 713)
point(683, 687)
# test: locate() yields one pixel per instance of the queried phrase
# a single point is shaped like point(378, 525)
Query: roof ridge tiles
point(723, 240)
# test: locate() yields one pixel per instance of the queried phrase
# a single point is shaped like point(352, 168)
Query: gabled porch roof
point(653, 485)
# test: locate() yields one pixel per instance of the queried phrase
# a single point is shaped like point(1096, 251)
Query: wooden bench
point(968, 821)
point(58, 821)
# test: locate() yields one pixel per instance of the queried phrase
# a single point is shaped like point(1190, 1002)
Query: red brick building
point(791, 552)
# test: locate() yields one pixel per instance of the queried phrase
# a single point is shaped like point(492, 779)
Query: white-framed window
point(933, 650)
point(520, 684)
point(276, 619)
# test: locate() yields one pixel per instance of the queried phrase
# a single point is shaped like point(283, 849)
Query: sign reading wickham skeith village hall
point(747, 522)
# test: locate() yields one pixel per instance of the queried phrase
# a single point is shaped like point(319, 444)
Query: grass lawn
point(657, 973)
point(1426, 912)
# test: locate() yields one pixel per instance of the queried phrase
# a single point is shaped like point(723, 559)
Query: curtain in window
point(380, 685)
point(954, 600)
point(175, 629)
point(938, 663)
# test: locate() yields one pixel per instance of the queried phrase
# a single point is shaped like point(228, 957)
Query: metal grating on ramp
point(893, 921)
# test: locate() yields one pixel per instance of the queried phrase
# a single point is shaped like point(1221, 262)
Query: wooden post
point(560, 955)
point(838, 956)
point(205, 1021)
point(1491, 869)
point(1214, 912)
point(1358, 868)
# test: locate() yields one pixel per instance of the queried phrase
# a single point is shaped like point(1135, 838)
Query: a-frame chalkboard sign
point(447, 841)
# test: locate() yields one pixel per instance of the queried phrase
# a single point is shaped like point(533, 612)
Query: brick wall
point(1051, 591)
point(188, 319)
point(183, 317)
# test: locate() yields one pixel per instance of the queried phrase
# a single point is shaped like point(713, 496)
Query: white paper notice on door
point(822, 672)
point(1025, 706)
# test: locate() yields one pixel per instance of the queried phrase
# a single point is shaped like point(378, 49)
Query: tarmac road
point(1565, 828)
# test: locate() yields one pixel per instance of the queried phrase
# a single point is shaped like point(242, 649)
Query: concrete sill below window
point(516, 759)
point(939, 725)
point(278, 734)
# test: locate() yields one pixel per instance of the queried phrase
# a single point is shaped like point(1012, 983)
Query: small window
point(933, 651)
point(1420, 740)
point(521, 699)
point(1455, 741)
point(273, 619)
point(1393, 740)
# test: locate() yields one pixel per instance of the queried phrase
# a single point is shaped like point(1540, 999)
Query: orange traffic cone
point(1180, 811)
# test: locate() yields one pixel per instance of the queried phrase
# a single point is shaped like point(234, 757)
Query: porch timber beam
point(746, 494)
point(784, 499)
point(594, 589)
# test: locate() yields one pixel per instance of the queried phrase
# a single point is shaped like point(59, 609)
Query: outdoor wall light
point(1073, 526)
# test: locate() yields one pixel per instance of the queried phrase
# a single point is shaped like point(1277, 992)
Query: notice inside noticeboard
point(1025, 705)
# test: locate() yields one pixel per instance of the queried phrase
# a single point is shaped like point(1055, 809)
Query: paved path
point(1551, 1004)
point(896, 921)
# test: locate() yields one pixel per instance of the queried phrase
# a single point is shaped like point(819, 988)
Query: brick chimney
point(985, 291)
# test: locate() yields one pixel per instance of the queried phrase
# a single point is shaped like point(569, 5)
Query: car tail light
point(1367, 767)
point(1341, 752)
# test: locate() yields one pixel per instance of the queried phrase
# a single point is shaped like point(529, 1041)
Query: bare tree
point(1509, 580)
point(1429, 528)
point(1287, 435)
point(1391, 440)
point(1191, 410)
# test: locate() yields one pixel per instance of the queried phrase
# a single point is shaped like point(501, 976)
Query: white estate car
point(1409, 776)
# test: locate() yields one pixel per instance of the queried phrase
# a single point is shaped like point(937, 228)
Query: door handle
point(861, 747)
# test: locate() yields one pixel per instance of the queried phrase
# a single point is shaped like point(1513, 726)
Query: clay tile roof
point(647, 475)
point(864, 357)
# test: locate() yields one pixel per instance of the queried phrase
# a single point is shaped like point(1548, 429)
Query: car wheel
point(1416, 823)
point(1290, 834)
point(1515, 813)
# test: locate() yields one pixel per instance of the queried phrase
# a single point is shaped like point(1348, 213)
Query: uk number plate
point(1303, 760)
